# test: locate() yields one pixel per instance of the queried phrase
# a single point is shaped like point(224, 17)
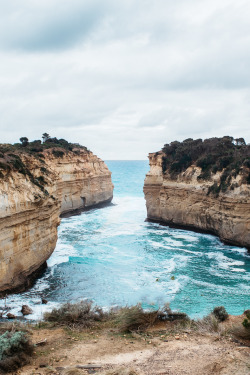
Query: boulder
point(26, 310)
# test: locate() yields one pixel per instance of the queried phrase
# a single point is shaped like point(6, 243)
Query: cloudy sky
point(123, 77)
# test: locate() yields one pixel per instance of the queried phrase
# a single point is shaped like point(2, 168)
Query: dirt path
point(154, 353)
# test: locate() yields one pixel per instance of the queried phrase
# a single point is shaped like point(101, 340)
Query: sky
point(124, 77)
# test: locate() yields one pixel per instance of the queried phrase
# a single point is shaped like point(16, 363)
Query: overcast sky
point(123, 77)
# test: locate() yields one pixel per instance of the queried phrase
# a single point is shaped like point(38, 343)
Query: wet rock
point(44, 301)
point(26, 310)
point(11, 316)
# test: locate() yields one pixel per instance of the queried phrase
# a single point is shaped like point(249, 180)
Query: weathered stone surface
point(184, 203)
point(29, 214)
point(26, 310)
point(11, 316)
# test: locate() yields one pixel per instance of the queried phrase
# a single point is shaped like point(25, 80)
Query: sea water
point(113, 257)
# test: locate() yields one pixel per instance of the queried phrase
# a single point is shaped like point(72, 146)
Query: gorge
point(38, 184)
point(202, 185)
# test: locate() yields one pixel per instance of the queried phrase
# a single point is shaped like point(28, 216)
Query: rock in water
point(11, 316)
point(26, 310)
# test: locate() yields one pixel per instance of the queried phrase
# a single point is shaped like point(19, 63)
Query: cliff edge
point(38, 184)
point(202, 186)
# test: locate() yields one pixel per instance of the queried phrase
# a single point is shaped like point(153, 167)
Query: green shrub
point(58, 153)
point(15, 350)
point(211, 155)
point(205, 175)
point(247, 313)
point(246, 323)
point(4, 166)
point(220, 313)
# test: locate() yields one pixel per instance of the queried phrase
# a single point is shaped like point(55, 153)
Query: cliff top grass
point(227, 155)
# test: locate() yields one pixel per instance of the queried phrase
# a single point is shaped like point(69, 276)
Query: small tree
point(24, 141)
point(45, 137)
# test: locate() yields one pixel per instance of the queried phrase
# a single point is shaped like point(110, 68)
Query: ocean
point(113, 257)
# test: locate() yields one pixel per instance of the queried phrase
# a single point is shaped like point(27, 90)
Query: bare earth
point(153, 353)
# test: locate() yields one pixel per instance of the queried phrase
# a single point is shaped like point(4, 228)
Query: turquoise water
point(113, 257)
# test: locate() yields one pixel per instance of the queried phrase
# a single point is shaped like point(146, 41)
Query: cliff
point(183, 189)
point(36, 188)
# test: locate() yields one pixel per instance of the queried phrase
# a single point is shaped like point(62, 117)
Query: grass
point(126, 319)
point(82, 314)
point(134, 318)
point(240, 332)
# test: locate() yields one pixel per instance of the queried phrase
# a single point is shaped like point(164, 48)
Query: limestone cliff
point(193, 197)
point(35, 189)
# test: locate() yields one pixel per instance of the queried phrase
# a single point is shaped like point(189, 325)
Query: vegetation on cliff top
point(37, 146)
point(10, 155)
point(227, 155)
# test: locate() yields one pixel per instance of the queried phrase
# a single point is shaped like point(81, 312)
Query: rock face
point(185, 202)
point(32, 202)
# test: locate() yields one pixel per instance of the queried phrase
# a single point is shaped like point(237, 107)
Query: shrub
point(15, 350)
point(58, 153)
point(205, 175)
point(134, 318)
point(81, 313)
point(247, 313)
point(214, 189)
point(208, 324)
point(246, 323)
point(211, 155)
point(220, 313)
point(4, 166)
point(41, 179)
point(241, 331)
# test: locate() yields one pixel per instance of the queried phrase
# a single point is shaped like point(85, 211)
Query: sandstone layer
point(185, 202)
point(32, 202)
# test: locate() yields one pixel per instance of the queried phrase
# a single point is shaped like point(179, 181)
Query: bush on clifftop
point(227, 155)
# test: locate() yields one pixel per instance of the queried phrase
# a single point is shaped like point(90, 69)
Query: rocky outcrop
point(34, 196)
point(187, 202)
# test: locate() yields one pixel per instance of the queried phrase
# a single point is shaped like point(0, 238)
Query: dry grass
point(134, 318)
point(238, 331)
point(125, 319)
point(209, 325)
point(13, 326)
point(79, 314)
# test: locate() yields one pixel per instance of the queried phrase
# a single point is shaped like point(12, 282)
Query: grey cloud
point(46, 25)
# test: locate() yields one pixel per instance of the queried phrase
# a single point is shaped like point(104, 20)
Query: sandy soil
point(153, 353)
